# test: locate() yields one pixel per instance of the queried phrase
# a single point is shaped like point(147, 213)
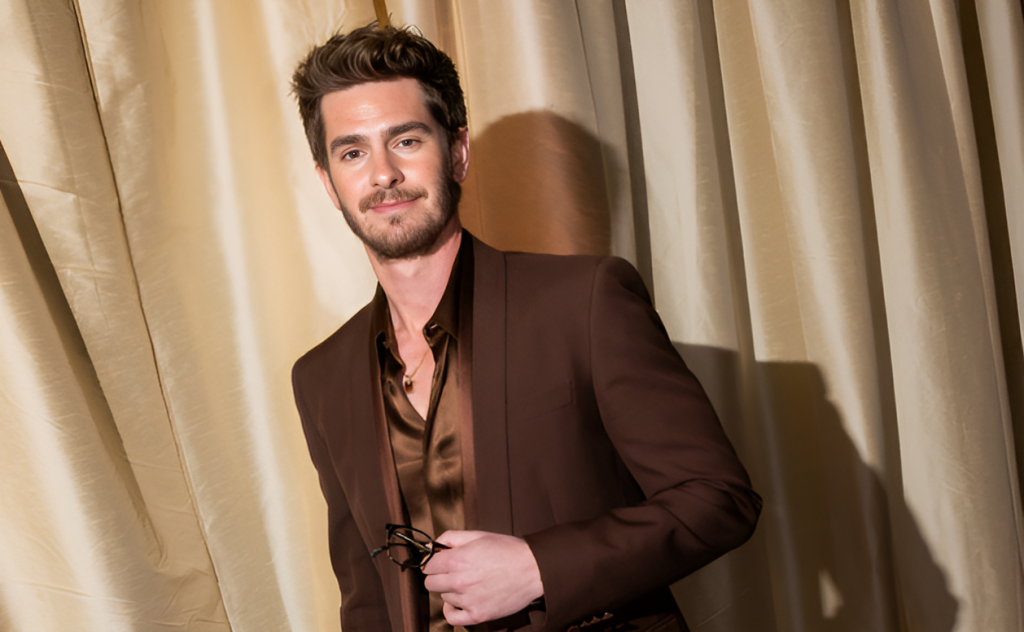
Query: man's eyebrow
point(341, 141)
point(405, 128)
point(391, 132)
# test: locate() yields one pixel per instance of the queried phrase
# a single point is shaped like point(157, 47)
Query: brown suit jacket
point(585, 434)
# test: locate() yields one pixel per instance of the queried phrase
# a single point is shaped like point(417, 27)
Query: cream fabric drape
point(826, 198)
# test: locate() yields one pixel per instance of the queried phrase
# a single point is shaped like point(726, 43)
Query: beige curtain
point(826, 198)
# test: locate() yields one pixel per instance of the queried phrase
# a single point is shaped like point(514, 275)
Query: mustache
point(390, 195)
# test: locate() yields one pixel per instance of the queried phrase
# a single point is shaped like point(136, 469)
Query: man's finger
point(438, 563)
point(457, 616)
point(455, 600)
point(458, 538)
point(438, 583)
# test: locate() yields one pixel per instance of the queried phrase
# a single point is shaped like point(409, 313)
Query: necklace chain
point(407, 381)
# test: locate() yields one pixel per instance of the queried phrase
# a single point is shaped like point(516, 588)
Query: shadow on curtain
point(835, 509)
point(537, 185)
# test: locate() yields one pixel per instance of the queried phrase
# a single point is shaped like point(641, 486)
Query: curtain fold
point(195, 118)
point(1001, 57)
point(98, 517)
point(949, 387)
point(825, 198)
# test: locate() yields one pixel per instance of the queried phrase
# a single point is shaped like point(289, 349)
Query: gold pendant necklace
point(407, 380)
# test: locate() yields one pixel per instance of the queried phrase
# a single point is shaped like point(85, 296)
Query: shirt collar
point(445, 317)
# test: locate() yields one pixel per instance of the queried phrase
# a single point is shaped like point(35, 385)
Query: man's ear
point(460, 154)
point(325, 178)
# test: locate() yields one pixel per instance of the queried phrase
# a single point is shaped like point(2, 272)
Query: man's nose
point(386, 173)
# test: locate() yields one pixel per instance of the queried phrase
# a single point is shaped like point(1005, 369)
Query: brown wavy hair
point(370, 54)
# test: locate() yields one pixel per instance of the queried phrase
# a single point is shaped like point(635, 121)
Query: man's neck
point(414, 286)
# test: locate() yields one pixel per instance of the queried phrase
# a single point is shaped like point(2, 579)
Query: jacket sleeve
point(363, 606)
point(699, 502)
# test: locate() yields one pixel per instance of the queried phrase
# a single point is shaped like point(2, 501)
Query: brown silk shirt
point(427, 452)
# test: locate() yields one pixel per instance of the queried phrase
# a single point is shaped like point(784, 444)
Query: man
point(526, 411)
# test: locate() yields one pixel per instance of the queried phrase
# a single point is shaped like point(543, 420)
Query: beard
point(407, 235)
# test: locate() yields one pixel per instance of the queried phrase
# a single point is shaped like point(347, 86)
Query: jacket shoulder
point(342, 344)
point(563, 273)
point(555, 269)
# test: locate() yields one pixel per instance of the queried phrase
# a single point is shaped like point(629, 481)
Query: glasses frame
point(428, 548)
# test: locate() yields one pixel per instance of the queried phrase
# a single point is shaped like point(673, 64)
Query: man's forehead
point(377, 101)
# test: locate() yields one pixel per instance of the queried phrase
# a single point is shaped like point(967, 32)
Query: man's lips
point(392, 206)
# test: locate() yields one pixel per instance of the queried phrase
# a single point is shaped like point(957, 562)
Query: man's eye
point(407, 142)
point(351, 155)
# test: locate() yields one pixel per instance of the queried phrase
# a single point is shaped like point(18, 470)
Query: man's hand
point(484, 576)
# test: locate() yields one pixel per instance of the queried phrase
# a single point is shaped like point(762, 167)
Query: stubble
point(407, 235)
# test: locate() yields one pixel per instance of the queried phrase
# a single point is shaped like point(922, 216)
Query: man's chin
point(419, 241)
point(409, 233)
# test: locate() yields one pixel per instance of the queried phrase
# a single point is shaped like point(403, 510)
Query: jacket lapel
point(488, 484)
point(488, 504)
point(371, 406)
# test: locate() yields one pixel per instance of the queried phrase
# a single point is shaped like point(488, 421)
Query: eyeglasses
point(409, 547)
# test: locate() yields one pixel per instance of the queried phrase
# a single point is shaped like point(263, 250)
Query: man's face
point(390, 169)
